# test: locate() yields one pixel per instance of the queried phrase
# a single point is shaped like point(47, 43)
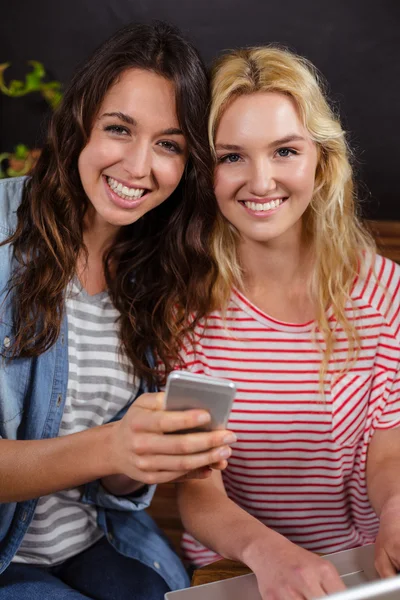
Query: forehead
point(266, 115)
point(145, 96)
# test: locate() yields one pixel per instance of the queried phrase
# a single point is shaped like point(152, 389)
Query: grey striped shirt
point(98, 387)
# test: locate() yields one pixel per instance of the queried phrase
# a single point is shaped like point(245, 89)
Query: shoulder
point(378, 286)
point(11, 191)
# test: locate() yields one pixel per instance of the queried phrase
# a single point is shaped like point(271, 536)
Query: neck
point(284, 262)
point(98, 235)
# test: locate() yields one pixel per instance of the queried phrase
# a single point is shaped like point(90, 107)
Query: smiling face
point(136, 153)
point(264, 178)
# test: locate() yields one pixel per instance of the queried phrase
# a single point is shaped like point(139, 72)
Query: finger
point(384, 565)
point(304, 585)
point(287, 592)
point(158, 421)
point(156, 477)
point(153, 406)
point(313, 590)
point(202, 473)
point(330, 579)
point(187, 443)
point(219, 466)
point(187, 462)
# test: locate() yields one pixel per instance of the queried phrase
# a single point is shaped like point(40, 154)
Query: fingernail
point(230, 439)
point(225, 453)
point(203, 418)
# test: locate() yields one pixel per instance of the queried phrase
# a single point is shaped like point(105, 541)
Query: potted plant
point(23, 158)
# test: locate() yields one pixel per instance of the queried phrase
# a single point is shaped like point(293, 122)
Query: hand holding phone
point(139, 447)
point(186, 390)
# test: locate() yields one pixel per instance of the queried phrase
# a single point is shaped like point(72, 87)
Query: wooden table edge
point(217, 571)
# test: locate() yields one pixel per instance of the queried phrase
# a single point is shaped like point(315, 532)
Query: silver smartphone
point(185, 390)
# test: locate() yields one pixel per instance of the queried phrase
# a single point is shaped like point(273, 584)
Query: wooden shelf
point(387, 236)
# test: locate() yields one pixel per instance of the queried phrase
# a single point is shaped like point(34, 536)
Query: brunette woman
point(91, 270)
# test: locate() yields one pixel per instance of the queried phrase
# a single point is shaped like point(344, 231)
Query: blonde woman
point(306, 321)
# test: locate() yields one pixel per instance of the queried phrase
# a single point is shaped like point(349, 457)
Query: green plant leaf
point(51, 91)
point(21, 151)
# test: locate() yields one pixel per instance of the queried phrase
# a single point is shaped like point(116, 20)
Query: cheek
point(170, 172)
point(98, 154)
point(302, 179)
point(225, 182)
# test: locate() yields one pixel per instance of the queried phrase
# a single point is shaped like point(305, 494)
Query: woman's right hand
point(141, 450)
point(286, 571)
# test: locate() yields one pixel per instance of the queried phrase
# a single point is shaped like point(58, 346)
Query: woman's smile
point(136, 153)
point(266, 164)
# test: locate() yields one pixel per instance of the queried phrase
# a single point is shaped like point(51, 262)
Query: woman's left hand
point(387, 545)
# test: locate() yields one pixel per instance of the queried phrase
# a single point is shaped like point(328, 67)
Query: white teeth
point(264, 207)
point(123, 191)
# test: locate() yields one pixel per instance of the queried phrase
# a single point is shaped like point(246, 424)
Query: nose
point(261, 178)
point(137, 160)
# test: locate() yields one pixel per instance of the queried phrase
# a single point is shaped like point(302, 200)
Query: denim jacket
point(32, 396)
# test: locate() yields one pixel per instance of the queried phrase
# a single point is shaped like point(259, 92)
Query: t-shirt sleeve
point(382, 292)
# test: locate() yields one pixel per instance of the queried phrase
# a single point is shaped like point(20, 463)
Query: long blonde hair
point(331, 222)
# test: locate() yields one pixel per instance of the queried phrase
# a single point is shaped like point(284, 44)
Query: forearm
point(383, 484)
point(33, 468)
point(217, 522)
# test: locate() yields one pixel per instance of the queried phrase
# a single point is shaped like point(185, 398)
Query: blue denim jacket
point(32, 396)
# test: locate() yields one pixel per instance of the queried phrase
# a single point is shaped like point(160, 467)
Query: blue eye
point(229, 158)
point(117, 129)
point(285, 152)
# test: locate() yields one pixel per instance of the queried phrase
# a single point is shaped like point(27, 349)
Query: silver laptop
point(356, 568)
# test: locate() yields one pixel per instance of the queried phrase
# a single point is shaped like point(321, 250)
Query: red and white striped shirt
point(299, 463)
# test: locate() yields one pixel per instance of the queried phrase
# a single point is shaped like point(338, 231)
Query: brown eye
point(117, 129)
point(170, 147)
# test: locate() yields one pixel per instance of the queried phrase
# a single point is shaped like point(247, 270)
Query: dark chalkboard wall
point(355, 43)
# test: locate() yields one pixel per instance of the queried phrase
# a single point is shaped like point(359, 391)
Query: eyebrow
point(285, 140)
point(289, 138)
point(121, 116)
point(131, 121)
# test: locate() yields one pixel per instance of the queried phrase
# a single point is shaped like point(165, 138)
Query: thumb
point(153, 401)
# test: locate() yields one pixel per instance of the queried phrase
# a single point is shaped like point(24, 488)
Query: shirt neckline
point(256, 313)
point(78, 289)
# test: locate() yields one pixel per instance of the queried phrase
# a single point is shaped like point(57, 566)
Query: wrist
point(105, 450)
point(255, 550)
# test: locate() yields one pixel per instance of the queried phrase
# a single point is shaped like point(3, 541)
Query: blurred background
point(354, 43)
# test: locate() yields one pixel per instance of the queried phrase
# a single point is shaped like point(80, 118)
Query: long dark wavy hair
point(152, 258)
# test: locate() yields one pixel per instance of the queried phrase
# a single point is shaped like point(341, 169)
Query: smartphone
point(185, 390)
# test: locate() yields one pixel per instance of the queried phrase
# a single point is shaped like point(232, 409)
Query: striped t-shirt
point(299, 463)
point(99, 386)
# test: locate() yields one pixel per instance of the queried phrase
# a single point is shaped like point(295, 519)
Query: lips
point(122, 200)
point(125, 192)
point(264, 206)
point(263, 209)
